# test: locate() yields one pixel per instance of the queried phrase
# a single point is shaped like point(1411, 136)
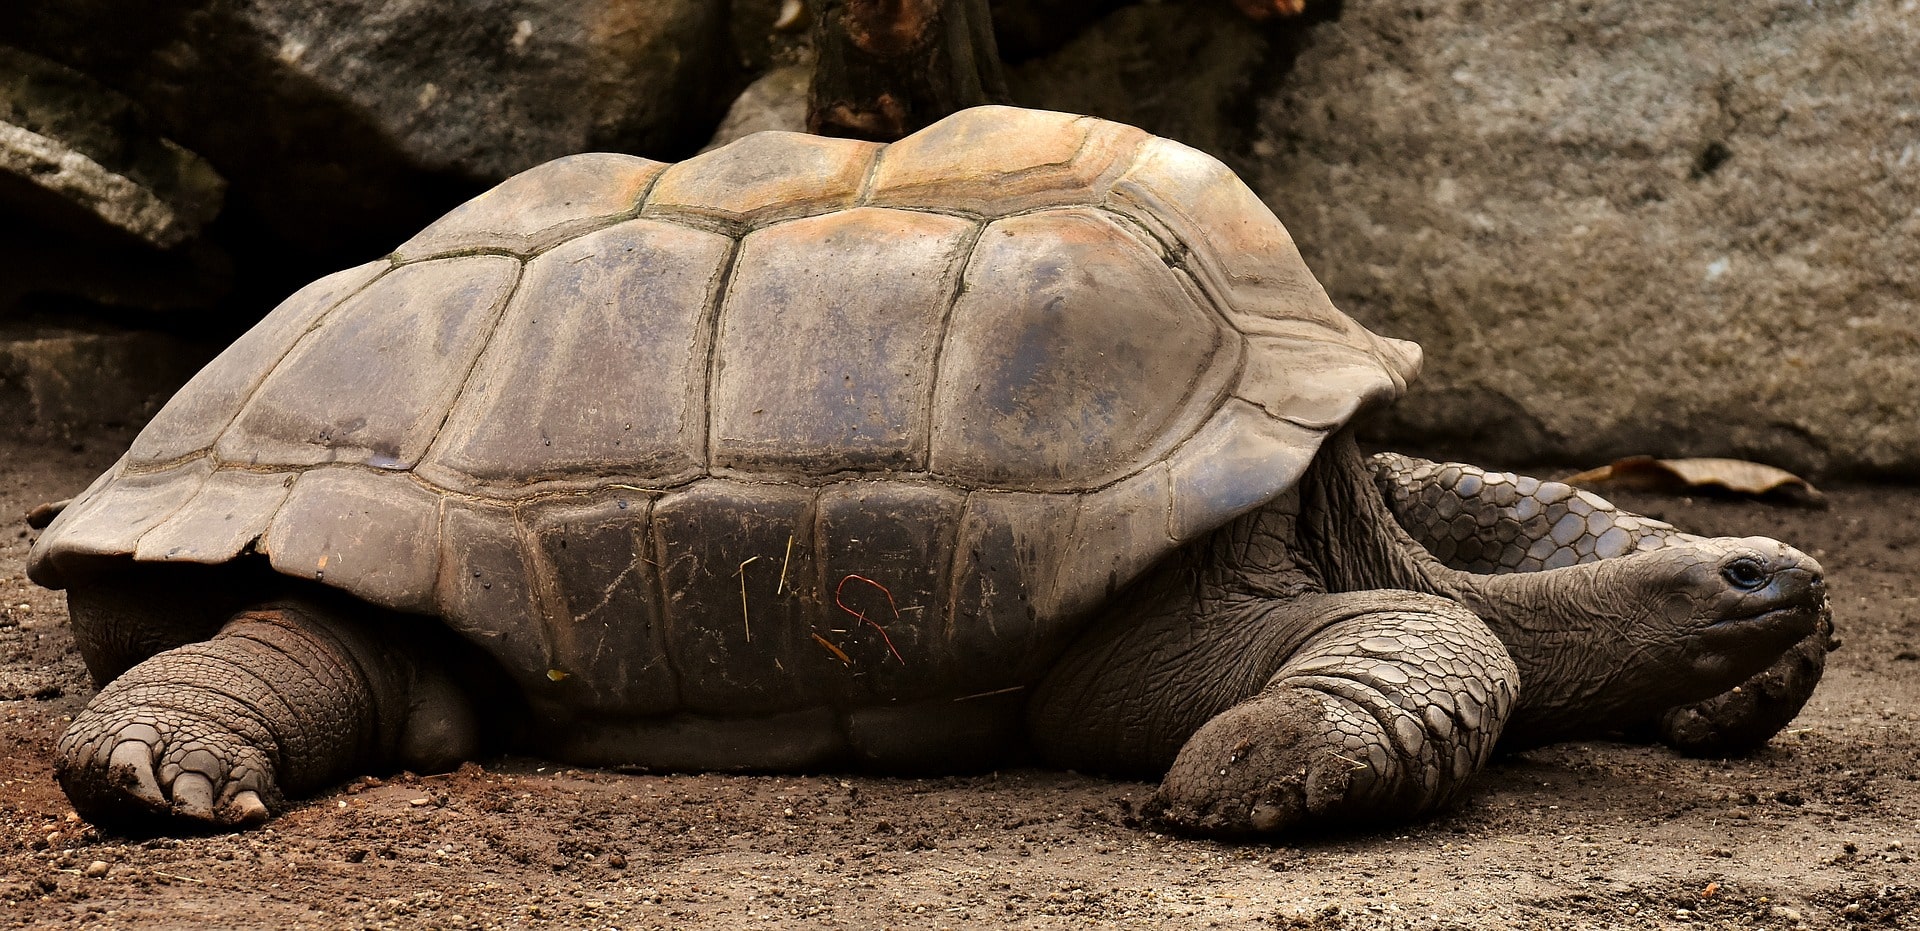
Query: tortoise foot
point(1249, 772)
point(145, 767)
point(1384, 715)
point(217, 734)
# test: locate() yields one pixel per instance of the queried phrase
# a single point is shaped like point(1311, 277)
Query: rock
point(62, 382)
point(776, 100)
point(1186, 71)
point(95, 203)
point(342, 124)
point(1619, 228)
point(90, 149)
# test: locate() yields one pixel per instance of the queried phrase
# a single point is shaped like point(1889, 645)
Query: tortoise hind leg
point(281, 701)
point(1317, 710)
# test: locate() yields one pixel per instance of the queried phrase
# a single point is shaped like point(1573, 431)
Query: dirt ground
point(1819, 830)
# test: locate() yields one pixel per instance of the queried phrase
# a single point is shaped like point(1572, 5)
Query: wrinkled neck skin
point(1573, 634)
point(1570, 631)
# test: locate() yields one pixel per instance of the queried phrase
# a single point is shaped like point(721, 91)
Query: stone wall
point(1679, 229)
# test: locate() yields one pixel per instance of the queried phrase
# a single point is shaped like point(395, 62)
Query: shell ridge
point(1069, 544)
point(548, 606)
point(486, 348)
point(709, 342)
point(1135, 142)
point(163, 465)
point(657, 542)
point(200, 486)
point(465, 229)
point(864, 196)
point(401, 261)
point(640, 203)
point(957, 270)
point(949, 634)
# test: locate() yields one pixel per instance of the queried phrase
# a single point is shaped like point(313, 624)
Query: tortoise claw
point(130, 766)
point(247, 808)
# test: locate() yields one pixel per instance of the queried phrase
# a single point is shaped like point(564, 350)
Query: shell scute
point(360, 531)
point(485, 591)
point(540, 206)
point(735, 561)
point(228, 515)
point(1039, 159)
point(1230, 467)
point(765, 177)
point(1313, 383)
point(1117, 533)
point(1064, 366)
point(111, 516)
point(603, 613)
point(598, 365)
point(1009, 548)
point(200, 410)
point(827, 342)
point(372, 383)
point(885, 551)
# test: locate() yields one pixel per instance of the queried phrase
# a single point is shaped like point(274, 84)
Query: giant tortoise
point(1026, 436)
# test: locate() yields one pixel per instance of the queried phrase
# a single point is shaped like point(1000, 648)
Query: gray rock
point(775, 101)
point(60, 382)
point(1182, 70)
point(343, 123)
point(89, 148)
point(1682, 229)
point(95, 204)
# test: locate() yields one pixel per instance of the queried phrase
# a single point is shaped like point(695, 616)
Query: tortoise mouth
point(1788, 623)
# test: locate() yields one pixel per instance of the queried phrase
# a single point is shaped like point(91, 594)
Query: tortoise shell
point(796, 422)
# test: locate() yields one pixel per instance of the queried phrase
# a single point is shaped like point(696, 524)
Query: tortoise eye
point(1744, 573)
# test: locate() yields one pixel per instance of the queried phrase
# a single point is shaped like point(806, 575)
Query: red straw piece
point(865, 619)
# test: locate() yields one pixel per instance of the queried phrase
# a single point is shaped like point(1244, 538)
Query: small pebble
point(97, 869)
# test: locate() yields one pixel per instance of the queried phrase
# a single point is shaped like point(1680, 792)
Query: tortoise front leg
point(1269, 716)
point(281, 701)
point(1474, 520)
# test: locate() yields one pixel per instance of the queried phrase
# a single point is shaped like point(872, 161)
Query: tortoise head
point(1726, 608)
point(1610, 645)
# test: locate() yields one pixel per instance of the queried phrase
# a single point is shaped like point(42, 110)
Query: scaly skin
point(1383, 714)
point(1303, 664)
point(1270, 703)
point(1480, 521)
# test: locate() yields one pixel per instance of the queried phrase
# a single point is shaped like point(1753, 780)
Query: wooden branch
point(888, 67)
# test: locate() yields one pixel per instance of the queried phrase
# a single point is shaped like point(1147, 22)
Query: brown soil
point(1819, 830)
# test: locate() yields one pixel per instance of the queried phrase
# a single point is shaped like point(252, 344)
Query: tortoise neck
point(1559, 625)
point(1351, 537)
point(1548, 621)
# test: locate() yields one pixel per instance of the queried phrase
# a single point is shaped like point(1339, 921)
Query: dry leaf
point(41, 516)
point(1730, 476)
point(1260, 10)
